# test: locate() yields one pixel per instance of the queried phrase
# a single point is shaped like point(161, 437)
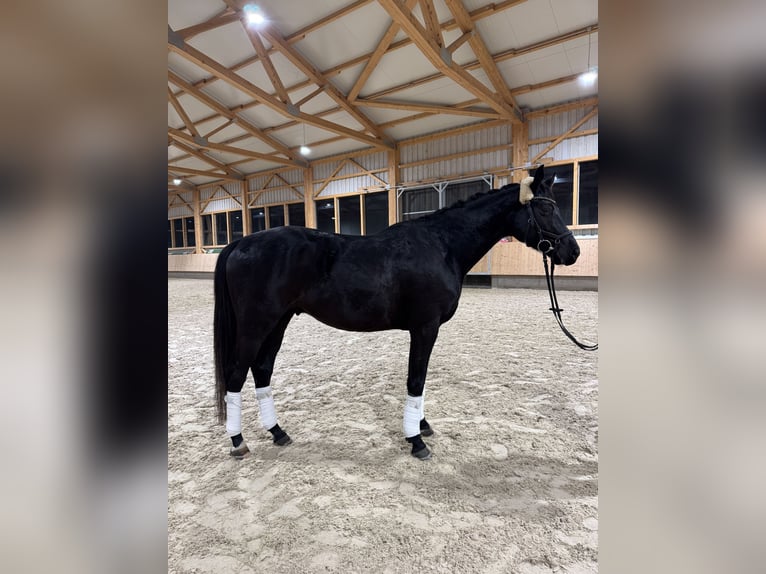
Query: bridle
point(547, 242)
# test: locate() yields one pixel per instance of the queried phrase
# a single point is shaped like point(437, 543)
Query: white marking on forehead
point(525, 191)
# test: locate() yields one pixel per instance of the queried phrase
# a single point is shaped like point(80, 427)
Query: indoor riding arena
point(350, 117)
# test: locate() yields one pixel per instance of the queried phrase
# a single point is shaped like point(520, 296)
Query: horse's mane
point(462, 202)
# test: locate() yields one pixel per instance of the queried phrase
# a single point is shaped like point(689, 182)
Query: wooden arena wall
point(565, 134)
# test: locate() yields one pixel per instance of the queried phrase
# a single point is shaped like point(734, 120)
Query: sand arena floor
point(512, 485)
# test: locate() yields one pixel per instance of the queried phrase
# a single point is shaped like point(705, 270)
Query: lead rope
point(555, 306)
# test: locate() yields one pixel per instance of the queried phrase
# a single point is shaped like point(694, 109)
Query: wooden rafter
point(431, 20)
point(205, 173)
point(303, 32)
point(221, 19)
point(229, 114)
point(316, 76)
point(475, 65)
point(178, 135)
point(478, 14)
point(429, 108)
point(181, 112)
point(376, 56)
point(552, 110)
point(271, 71)
point(204, 61)
point(432, 51)
point(463, 18)
point(563, 136)
point(207, 159)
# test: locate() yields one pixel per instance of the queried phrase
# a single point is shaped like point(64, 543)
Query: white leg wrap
point(233, 413)
point(413, 412)
point(266, 405)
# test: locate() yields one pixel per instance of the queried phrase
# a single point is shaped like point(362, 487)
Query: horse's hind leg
point(262, 369)
point(235, 380)
point(422, 342)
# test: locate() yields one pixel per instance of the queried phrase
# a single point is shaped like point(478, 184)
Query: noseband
point(547, 241)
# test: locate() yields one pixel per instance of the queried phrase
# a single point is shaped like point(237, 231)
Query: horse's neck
point(475, 227)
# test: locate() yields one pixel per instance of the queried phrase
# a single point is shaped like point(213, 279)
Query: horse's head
point(546, 231)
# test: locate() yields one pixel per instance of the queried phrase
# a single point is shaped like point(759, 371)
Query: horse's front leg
point(422, 341)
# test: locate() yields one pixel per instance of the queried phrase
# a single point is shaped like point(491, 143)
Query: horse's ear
point(539, 174)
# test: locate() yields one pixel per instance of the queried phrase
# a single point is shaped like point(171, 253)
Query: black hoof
point(283, 440)
point(419, 448)
point(280, 437)
point(425, 428)
point(422, 454)
point(239, 452)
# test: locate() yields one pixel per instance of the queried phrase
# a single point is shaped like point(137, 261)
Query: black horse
point(408, 277)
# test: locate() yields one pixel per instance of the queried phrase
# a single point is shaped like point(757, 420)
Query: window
point(563, 188)
point(276, 216)
point(207, 229)
point(235, 224)
point(170, 233)
point(178, 232)
point(221, 229)
point(257, 219)
point(297, 214)
point(587, 213)
point(325, 215)
point(419, 202)
point(375, 212)
point(190, 239)
point(350, 215)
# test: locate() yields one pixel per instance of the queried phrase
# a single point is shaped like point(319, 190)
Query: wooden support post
point(362, 218)
point(197, 221)
point(245, 215)
point(393, 180)
point(336, 208)
point(520, 141)
point(308, 198)
point(575, 192)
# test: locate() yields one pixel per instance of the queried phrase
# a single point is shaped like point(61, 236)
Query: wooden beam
point(305, 31)
point(316, 76)
point(181, 112)
point(475, 65)
point(205, 173)
point(205, 144)
point(561, 138)
point(376, 56)
point(463, 18)
point(460, 41)
point(430, 108)
point(231, 115)
point(433, 28)
point(575, 134)
point(327, 181)
point(204, 61)
point(209, 160)
point(520, 151)
point(477, 14)
point(456, 155)
point(271, 71)
point(449, 68)
point(221, 19)
point(552, 110)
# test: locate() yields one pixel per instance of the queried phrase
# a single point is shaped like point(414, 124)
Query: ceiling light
point(254, 14)
point(305, 150)
point(177, 181)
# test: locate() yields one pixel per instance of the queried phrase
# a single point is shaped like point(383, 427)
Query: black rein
point(545, 246)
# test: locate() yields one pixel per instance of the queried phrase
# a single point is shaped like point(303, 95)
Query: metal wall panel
point(375, 162)
point(283, 195)
point(220, 201)
point(180, 209)
point(458, 143)
point(351, 185)
point(571, 148)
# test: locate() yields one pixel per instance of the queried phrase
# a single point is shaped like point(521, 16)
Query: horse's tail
point(224, 330)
